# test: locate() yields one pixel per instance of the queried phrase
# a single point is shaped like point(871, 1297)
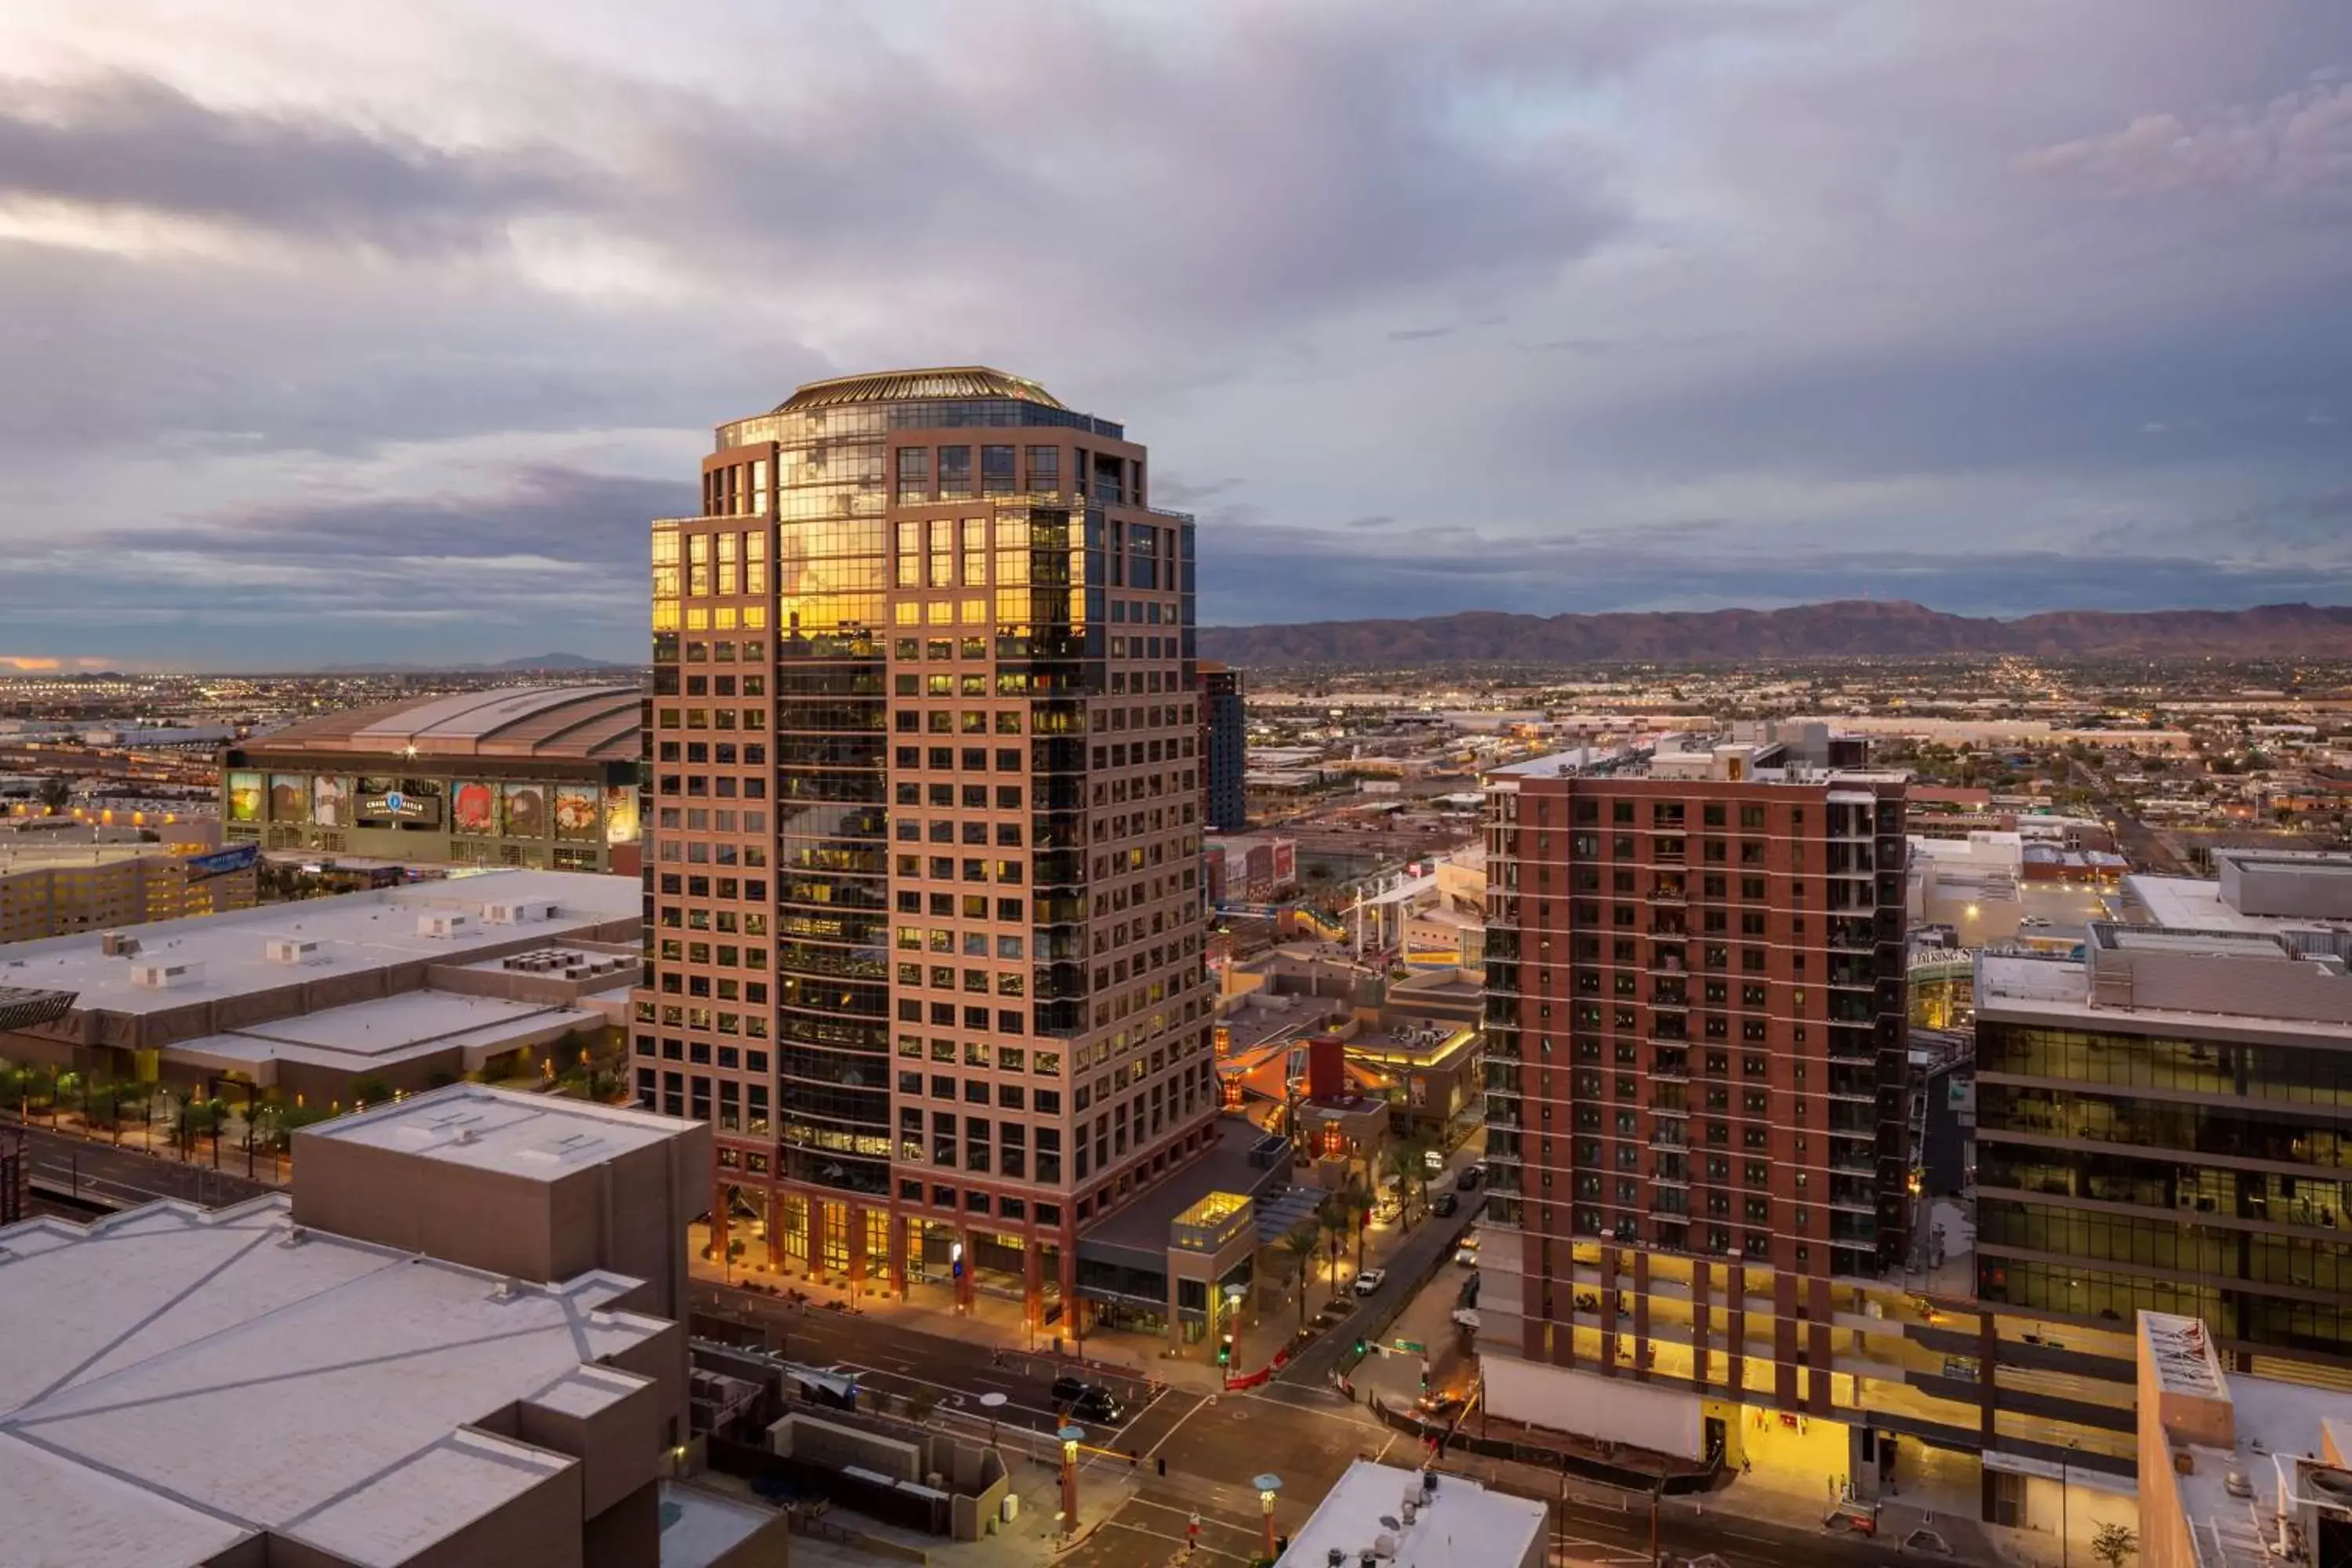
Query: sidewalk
point(992, 1321)
point(998, 1323)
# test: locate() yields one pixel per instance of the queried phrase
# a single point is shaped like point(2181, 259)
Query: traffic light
point(1359, 1345)
point(1225, 1350)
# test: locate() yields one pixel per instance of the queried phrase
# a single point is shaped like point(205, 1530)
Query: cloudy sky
point(335, 333)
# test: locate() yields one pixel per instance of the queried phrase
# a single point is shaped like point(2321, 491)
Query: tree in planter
point(2113, 1545)
point(1405, 1163)
point(1301, 1243)
point(264, 1119)
point(921, 1403)
point(102, 1107)
point(132, 1100)
point(41, 1093)
point(367, 1091)
point(55, 794)
point(200, 1119)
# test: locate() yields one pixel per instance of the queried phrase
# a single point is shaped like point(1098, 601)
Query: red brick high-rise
point(1697, 1081)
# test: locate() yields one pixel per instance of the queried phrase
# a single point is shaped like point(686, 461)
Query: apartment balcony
point(1665, 1176)
point(1669, 1135)
point(1670, 1072)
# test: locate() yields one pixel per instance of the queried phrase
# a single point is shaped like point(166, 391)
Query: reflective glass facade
point(2120, 1171)
point(924, 719)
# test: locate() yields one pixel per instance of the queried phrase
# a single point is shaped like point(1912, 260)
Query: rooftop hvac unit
point(167, 976)
point(521, 914)
point(118, 944)
point(442, 927)
point(287, 950)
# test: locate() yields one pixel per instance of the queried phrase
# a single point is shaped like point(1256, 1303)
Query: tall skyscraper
point(1225, 743)
point(923, 901)
point(1696, 1080)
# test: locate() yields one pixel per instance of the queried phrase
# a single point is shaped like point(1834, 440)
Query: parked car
point(1445, 1203)
point(1466, 1257)
point(1369, 1280)
point(1471, 1174)
point(1088, 1401)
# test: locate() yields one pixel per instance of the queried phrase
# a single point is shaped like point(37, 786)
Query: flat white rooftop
point(2271, 1419)
point(536, 1135)
point(1464, 1526)
point(385, 1029)
point(355, 933)
point(174, 1380)
point(2010, 987)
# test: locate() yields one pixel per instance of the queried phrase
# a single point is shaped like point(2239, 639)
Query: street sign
point(1411, 1347)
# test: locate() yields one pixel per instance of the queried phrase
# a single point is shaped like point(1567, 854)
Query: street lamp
point(991, 1402)
point(1267, 1485)
point(1071, 1437)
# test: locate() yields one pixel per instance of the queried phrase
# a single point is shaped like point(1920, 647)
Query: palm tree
point(1301, 1242)
point(1331, 1217)
point(1404, 1162)
point(1359, 1211)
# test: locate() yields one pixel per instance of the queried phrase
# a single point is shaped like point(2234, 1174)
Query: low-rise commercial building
point(1414, 1519)
point(2235, 1471)
point(455, 1343)
point(57, 888)
point(407, 986)
point(540, 777)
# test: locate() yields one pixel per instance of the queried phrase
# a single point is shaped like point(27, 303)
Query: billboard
point(620, 814)
point(523, 811)
point(290, 797)
point(222, 862)
point(243, 797)
point(330, 801)
point(576, 816)
point(392, 805)
point(474, 808)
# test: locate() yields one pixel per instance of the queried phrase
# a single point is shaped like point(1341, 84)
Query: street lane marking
point(1172, 1431)
point(1198, 1552)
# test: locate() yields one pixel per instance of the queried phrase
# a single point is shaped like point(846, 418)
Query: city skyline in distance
point(379, 345)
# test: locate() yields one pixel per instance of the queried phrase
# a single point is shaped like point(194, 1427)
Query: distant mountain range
point(563, 661)
point(1846, 628)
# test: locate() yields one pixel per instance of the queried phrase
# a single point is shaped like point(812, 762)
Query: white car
point(1466, 1318)
point(1369, 1280)
point(1466, 1257)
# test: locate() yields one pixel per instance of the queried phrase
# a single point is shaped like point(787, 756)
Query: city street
point(1429, 1246)
point(106, 1177)
point(1212, 1444)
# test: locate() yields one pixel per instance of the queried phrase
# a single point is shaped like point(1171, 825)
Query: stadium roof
point(594, 723)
